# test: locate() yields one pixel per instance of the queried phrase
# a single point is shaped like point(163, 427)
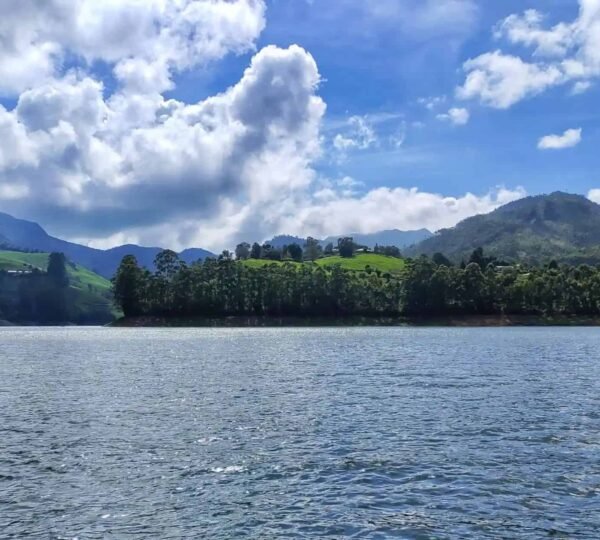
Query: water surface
point(299, 433)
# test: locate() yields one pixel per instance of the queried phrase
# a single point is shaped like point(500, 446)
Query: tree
point(328, 249)
point(242, 251)
point(480, 259)
point(295, 252)
point(346, 247)
point(440, 259)
point(57, 270)
point(167, 264)
point(255, 251)
point(129, 287)
point(312, 249)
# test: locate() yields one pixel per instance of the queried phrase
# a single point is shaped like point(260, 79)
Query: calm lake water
point(299, 433)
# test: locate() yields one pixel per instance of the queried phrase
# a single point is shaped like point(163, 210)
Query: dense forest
point(427, 287)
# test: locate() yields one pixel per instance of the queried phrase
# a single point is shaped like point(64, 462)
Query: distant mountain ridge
point(535, 230)
point(22, 234)
point(394, 237)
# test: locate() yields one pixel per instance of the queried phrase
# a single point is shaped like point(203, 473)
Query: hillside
point(534, 230)
point(357, 263)
point(25, 235)
point(90, 294)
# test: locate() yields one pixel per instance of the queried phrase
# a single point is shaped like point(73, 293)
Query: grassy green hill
point(80, 277)
point(357, 263)
point(90, 294)
point(361, 261)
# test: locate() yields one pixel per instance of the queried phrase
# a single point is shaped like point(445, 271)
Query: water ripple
point(299, 433)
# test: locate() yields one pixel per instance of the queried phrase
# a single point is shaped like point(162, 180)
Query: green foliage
point(419, 288)
point(131, 286)
point(346, 247)
point(57, 270)
point(360, 262)
point(66, 293)
point(242, 251)
point(532, 231)
point(256, 287)
point(312, 249)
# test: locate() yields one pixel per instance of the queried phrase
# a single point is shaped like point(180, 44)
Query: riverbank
point(273, 322)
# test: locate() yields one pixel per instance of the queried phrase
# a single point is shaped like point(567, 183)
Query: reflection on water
point(333, 433)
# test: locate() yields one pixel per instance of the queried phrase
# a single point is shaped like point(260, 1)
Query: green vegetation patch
point(362, 260)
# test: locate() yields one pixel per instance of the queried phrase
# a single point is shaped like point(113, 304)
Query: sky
point(203, 123)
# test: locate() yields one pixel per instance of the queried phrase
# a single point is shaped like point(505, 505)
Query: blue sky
point(370, 69)
point(389, 113)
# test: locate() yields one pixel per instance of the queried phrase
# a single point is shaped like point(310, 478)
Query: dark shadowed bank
point(274, 322)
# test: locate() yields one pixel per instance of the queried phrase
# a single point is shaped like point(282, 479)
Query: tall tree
point(129, 287)
point(242, 251)
point(346, 247)
point(57, 270)
point(256, 251)
point(312, 249)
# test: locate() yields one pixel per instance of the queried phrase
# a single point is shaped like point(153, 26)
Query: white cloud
point(594, 195)
point(146, 40)
point(569, 139)
point(134, 166)
point(568, 52)
point(431, 103)
point(386, 208)
point(527, 30)
point(359, 135)
point(580, 87)
point(501, 80)
point(111, 170)
point(457, 116)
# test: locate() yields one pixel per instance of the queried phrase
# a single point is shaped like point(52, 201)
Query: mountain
point(285, 240)
point(26, 235)
point(400, 239)
point(534, 230)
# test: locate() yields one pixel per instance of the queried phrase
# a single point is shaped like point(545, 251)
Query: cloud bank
point(130, 165)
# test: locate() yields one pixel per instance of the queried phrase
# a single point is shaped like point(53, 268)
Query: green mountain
point(18, 234)
point(534, 230)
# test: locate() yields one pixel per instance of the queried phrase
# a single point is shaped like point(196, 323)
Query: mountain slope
point(535, 230)
point(21, 234)
point(89, 294)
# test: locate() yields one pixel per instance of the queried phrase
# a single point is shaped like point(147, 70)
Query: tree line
point(428, 287)
point(311, 250)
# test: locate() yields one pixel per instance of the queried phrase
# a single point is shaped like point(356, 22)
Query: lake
point(300, 433)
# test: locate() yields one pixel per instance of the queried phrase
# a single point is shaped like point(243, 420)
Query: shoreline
point(465, 321)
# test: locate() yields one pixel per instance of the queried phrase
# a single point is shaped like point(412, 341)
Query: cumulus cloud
point(569, 139)
point(594, 195)
point(386, 208)
point(568, 52)
point(501, 80)
point(147, 40)
point(131, 165)
point(457, 116)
